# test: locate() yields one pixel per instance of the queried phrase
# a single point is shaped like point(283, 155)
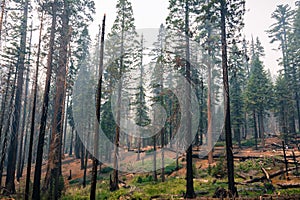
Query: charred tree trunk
point(190, 193)
point(4, 101)
point(12, 153)
point(43, 123)
point(98, 111)
point(82, 155)
point(228, 134)
point(77, 146)
point(85, 167)
point(6, 130)
point(34, 91)
point(19, 164)
point(71, 142)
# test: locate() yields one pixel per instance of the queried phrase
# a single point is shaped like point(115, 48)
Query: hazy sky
point(151, 13)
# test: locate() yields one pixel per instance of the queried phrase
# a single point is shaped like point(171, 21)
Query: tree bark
point(71, 142)
point(98, 113)
point(115, 182)
point(1, 17)
point(255, 128)
point(43, 123)
point(54, 159)
point(190, 193)
point(6, 130)
point(228, 134)
point(22, 131)
point(33, 112)
point(12, 153)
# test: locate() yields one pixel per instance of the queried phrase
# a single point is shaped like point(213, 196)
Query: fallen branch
point(282, 161)
point(277, 173)
point(241, 175)
point(266, 174)
point(289, 185)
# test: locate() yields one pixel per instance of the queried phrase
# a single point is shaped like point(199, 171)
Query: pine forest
point(140, 99)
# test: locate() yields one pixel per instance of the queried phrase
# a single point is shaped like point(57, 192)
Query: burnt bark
point(43, 122)
point(190, 193)
point(228, 134)
point(98, 110)
point(12, 153)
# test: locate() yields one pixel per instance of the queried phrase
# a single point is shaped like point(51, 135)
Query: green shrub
point(220, 169)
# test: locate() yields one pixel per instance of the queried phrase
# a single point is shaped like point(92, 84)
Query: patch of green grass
point(250, 142)
point(106, 170)
point(289, 191)
point(169, 169)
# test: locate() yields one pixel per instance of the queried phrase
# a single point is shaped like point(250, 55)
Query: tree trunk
point(12, 153)
point(190, 193)
point(34, 91)
point(139, 149)
point(19, 171)
point(262, 129)
point(4, 101)
point(54, 159)
point(98, 113)
point(65, 125)
point(77, 146)
point(162, 154)
point(209, 115)
point(82, 155)
point(228, 135)
point(6, 130)
point(85, 167)
point(1, 17)
point(154, 159)
point(43, 123)
point(115, 182)
point(255, 129)
point(71, 142)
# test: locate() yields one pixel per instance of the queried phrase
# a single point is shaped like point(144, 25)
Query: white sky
point(151, 13)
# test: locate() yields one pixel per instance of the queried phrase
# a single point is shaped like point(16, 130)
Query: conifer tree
point(120, 46)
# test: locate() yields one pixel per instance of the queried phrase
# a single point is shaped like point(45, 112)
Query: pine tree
point(259, 89)
point(279, 32)
point(158, 55)
point(121, 42)
point(294, 61)
point(231, 18)
point(281, 104)
point(141, 110)
point(237, 77)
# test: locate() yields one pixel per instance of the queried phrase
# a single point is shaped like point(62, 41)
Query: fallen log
point(285, 159)
point(289, 162)
point(241, 175)
point(288, 185)
point(276, 145)
point(274, 174)
point(266, 174)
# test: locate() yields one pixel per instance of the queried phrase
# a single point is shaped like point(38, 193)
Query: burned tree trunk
point(12, 152)
point(228, 134)
point(98, 107)
point(43, 123)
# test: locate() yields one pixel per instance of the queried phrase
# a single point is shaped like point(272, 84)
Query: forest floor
point(259, 174)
